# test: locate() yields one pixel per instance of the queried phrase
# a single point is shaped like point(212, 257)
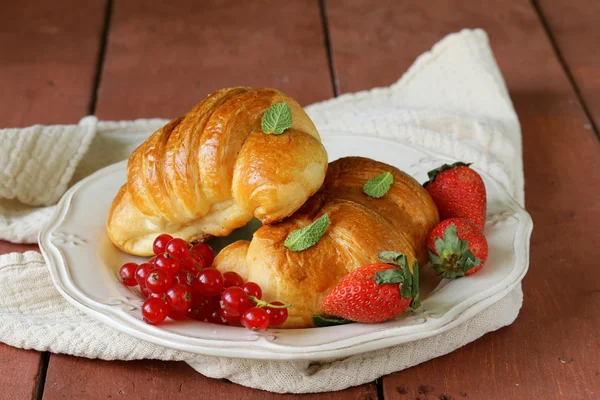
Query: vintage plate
point(83, 264)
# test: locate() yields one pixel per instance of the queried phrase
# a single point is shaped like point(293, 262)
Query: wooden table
point(124, 59)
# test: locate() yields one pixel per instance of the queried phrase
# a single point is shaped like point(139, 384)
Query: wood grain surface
point(574, 27)
point(152, 71)
point(48, 54)
point(547, 352)
point(79, 378)
point(163, 57)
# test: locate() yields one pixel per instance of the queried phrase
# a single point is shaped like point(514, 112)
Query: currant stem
point(261, 303)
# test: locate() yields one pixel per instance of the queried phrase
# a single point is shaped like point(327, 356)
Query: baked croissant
point(210, 171)
point(360, 227)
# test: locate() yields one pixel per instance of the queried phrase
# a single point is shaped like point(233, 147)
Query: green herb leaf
point(277, 119)
point(320, 321)
point(308, 236)
point(389, 276)
point(379, 186)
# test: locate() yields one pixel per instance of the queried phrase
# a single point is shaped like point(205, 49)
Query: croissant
point(360, 227)
point(212, 170)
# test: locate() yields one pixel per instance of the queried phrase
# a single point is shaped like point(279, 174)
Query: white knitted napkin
point(452, 100)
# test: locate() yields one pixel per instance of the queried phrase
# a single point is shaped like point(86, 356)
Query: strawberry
point(458, 191)
point(457, 248)
point(375, 293)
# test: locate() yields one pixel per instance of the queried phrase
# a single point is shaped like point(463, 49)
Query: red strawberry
point(458, 191)
point(376, 292)
point(457, 248)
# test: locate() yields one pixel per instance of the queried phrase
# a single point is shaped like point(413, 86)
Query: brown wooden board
point(161, 59)
point(48, 54)
point(575, 28)
point(165, 57)
point(551, 351)
point(84, 379)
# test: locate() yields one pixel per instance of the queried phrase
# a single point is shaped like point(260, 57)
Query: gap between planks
point(565, 66)
point(45, 359)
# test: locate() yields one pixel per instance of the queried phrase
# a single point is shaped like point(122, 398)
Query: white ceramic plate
point(83, 264)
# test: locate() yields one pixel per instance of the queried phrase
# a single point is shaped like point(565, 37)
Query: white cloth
point(452, 100)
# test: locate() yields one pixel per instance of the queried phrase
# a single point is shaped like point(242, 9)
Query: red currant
point(229, 319)
point(161, 296)
point(277, 316)
point(256, 319)
point(145, 291)
point(179, 297)
point(252, 289)
point(168, 264)
point(203, 307)
point(158, 281)
point(184, 278)
point(152, 261)
point(177, 315)
point(178, 249)
point(232, 279)
point(206, 252)
point(200, 260)
point(127, 274)
point(235, 301)
point(142, 272)
point(154, 311)
point(215, 318)
point(209, 282)
point(190, 264)
point(160, 243)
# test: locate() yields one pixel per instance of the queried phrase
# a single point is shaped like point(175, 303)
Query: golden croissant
point(212, 170)
point(360, 227)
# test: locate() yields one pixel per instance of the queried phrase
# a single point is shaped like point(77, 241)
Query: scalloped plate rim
point(264, 349)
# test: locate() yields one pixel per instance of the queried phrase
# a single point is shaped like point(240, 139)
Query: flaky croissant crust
point(360, 228)
point(210, 171)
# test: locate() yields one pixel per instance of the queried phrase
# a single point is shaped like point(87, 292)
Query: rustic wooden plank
point(547, 353)
point(576, 33)
point(164, 57)
point(161, 59)
point(85, 379)
point(48, 56)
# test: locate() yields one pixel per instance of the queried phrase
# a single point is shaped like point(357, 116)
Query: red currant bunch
point(179, 282)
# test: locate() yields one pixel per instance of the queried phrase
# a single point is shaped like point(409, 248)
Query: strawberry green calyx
point(408, 280)
point(434, 173)
point(322, 321)
point(453, 258)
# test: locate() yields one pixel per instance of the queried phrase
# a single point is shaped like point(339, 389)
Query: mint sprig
point(379, 186)
point(308, 236)
point(277, 119)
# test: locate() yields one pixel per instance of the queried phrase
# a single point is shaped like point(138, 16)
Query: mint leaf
point(308, 236)
point(379, 186)
point(277, 119)
point(320, 321)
